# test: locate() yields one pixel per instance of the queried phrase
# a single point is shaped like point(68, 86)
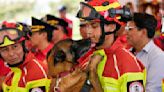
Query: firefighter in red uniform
point(4, 70)
point(41, 38)
point(61, 33)
point(119, 70)
point(62, 13)
point(27, 73)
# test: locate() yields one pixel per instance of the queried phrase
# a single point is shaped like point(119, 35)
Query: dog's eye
point(59, 56)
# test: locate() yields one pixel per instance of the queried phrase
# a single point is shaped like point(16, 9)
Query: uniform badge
point(135, 86)
point(36, 90)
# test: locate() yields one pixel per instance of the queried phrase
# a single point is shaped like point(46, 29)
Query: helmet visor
point(12, 35)
point(87, 12)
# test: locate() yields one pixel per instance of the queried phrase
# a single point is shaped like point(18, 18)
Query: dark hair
point(26, 29)
point(143, 20)
point(49, 34)
point(62, 8)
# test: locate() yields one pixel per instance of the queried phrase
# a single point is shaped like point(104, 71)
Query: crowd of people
point(119, 52)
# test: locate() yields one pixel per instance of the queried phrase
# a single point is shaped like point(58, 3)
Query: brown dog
point(62, 65)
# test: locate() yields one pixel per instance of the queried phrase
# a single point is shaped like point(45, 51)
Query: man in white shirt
point(141, 30)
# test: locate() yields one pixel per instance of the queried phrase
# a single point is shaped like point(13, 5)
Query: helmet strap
point(25, 51)
point(102, 37)
point(24, 47)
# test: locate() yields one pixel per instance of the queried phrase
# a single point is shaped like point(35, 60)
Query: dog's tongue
point(65, 73)
point(93, 45)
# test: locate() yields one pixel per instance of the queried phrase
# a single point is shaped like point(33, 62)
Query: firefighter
point(119, 70)
point(41, 38)
point(27, 73)
point(61, 33)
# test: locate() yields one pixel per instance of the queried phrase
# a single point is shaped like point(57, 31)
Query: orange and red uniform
point(120, 71)
point(4, 70)
point(31, 74)
point(41, 55)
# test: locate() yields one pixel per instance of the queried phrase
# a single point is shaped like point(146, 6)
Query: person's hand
point(95, 60)
point(71, 80)
point(93, 77)
point(1, 81)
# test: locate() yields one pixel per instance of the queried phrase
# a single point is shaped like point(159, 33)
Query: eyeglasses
point(128, 28)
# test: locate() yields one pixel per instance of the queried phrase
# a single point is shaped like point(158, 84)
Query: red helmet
point(110, 10)
point(11, 33)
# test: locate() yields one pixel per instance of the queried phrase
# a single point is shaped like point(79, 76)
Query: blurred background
point(22, 10)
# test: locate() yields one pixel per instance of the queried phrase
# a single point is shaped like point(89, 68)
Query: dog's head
point(65, 54)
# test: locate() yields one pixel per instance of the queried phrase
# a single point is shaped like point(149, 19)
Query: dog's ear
point(80, 47)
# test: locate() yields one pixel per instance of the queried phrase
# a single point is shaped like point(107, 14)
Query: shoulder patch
point(135, 86)
point(37, 89)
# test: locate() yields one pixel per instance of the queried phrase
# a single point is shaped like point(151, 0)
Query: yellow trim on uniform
point(110, 85)
point(16, 77)
point(117, 85)
point(7, 42)
point(7, 88)
point(52, 22)
point(14, 83)
point(101, 65)
point(129, 77)
point(45, 82)
point(39, 83)
point(104, 8)
point(162, 85)
point(37, 28)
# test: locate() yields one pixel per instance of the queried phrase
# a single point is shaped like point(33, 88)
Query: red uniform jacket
point(31, 69)
point(4, 70)
point(41, 55)
point(120, 61)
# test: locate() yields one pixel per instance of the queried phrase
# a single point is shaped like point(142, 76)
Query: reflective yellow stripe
point(103, 8)
point(101, 64)
point(110, 85)
point(129, 77)
point(162, 85)
point(16, 77)
point(32, 84)
point(117, 85)
point(120, 85)
point(39, 83)
point(18, 89)
point(14, 83)
point(145, 75)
